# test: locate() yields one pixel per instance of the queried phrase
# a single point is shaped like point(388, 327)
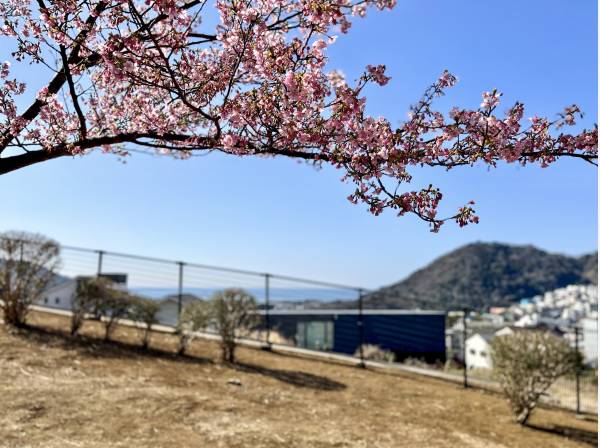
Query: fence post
point(180, 292)
point(268, 310)
point(464, 344)
point(577, 372)
point(100, 256)
point(361, 329)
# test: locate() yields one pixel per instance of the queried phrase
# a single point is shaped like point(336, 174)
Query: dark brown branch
point(206, 37)
point(74, 59)
point(8, 164)
point(59, 79)
point(73, 92)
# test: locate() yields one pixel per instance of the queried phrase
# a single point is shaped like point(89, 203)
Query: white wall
point(60, 296)
point(478, 353)
point(168, 313)
point(590, 339)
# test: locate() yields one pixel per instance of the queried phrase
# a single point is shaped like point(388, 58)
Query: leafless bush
point(144, 311)
point(527, 363)
point(27, 265)
point(416, 362)
point(195, 316)
point(89, 297)
point(234, 314)
point(114, 305)
point(375, 353)
point(275, 337)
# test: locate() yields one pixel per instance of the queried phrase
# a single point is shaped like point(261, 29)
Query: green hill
point(480, 275)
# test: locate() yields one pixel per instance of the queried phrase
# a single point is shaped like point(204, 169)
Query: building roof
point(185, 299)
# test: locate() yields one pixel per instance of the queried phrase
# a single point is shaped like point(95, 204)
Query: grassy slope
point(60, 393)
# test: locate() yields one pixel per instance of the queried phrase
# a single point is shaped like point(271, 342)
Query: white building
point(62, 294)
point(589, 339)
point(560, 307)
point(479, 351)
point(168, 314)
point(479, 348)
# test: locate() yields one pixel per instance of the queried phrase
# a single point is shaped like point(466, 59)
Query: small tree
point(234, 314)
point(115, 305)
point(27, 265)
point(89, 298)
point(144, 311)
point(195, 316)
point(527, 363)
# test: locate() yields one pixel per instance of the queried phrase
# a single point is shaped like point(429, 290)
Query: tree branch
point(73, 92)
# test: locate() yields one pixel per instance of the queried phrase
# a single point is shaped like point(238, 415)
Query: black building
point(407, 333)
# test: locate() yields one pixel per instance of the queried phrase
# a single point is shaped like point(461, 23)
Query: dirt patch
point(58, 392)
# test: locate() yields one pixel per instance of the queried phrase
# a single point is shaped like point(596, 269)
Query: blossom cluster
point(149, 74)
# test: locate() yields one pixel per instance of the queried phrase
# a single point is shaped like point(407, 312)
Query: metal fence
point(176, 283)
point(313, 315)
point(469, 362)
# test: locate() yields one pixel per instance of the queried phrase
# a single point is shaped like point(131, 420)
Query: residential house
point(589, 339)
point(168, 314)
point(479, 348)
point(62, 292)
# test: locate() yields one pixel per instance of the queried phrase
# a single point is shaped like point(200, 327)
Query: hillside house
point(168, 313)
point(61, 294)
point(479, 348)
point(589, 339)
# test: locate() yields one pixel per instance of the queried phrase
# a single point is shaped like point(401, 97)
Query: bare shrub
point(27, 265)
point(527, 363)
point(115, 304)
point(89, 297)
point(234, 314)
point(375, 353)
point(416, 362)
point(144, 311)
point(275, 337)
point(195, 316)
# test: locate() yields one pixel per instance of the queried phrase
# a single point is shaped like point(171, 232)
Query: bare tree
point(27, 265)
point(234, 315)
point(112, 305)
point(144, 311)
point(89, 297)
point(195, 316)
point(527, 363)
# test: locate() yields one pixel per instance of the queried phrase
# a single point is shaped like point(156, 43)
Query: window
point(45, 299)
point(316, 335)
point(483, 354)
point(57, 300)
point(472, 351)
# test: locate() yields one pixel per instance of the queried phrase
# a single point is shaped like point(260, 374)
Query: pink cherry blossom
point(150, 76)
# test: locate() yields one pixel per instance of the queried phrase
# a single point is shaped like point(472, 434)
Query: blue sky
point(286, 217)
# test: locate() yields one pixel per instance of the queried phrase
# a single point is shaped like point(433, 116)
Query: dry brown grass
point(57, 392)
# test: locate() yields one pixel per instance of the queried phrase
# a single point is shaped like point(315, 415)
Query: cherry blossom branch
point(150, 75)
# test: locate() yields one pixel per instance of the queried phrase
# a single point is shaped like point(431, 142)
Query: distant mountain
point(480, 275)
point(590, 267)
